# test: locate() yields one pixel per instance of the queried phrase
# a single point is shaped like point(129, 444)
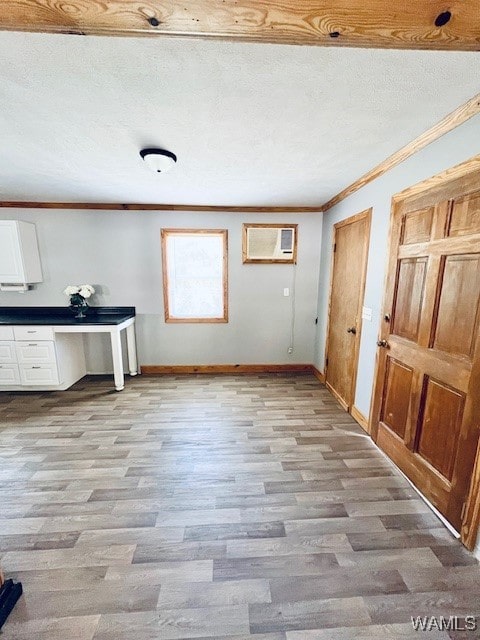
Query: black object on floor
point(9, 594)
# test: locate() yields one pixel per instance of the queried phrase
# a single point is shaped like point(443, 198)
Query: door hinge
point(464, 508)
point(334, 247)
point(326, 362)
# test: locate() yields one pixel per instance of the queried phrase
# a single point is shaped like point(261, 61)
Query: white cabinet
point(19, 257)
point(36, 358)
point(7, 352)
point(39, 374)
point(6, 333)
point(36, 352)
point(33, 333)
point(9, 374)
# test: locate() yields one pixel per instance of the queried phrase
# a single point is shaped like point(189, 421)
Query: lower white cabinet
point(39, 374)
point(36, 352)
point(8, 354)
point(33, 333)
point(9, 374)
point(36, 358)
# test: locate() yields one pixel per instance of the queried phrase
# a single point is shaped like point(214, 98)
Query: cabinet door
point(9, 374)
point(11, 264)
point(36, 352)
point(41, 374)
point(6, 333)
point(7, 352)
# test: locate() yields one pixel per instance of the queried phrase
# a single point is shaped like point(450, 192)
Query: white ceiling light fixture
point(158, 160)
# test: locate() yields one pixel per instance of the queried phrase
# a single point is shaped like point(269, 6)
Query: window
point(195, 275)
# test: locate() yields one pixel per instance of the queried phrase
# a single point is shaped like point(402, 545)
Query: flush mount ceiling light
point(159, 160)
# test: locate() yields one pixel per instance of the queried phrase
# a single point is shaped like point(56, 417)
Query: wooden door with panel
point(426, 408)
point(351, 240)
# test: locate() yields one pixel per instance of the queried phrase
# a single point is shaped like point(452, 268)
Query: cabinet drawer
point(33, 333)
point(36, 352)
point(6, 333)
point(39, 374)
point(9, 374)
point(7, 352)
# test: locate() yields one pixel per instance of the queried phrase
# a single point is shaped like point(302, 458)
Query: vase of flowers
point(78, 295)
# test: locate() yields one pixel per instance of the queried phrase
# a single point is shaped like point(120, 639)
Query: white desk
point(41, 348)
point(116, 341)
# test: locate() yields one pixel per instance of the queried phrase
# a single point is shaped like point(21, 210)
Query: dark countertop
point(64, 316)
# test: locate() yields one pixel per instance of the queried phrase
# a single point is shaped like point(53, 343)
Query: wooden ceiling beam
point(112, 206)
point(424, 24)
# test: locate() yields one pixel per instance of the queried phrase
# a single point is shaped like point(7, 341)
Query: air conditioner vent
point(269, 243)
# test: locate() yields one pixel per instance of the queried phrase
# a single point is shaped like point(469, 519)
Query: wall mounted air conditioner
point(270, 243)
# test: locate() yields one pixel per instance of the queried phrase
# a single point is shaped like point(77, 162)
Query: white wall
point(453, 148)
point(119, 253)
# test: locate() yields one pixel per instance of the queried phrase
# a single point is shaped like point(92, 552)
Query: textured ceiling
point(251, 124)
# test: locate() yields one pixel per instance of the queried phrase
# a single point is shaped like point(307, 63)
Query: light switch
point(286, 292)
point(367, 313)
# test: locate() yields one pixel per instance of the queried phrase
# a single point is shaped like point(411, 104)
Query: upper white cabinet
point(19, 257)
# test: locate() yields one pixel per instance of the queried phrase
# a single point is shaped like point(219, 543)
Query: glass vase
point(79, 309)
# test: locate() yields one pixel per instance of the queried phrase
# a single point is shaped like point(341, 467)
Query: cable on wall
point(292, 322)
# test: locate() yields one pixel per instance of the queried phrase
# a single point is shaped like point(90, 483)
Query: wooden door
point(426, 408)
point(351, 239)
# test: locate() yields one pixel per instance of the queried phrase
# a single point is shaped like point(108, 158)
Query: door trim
point(338, 398)
point(458, 180)
point(367, 215)
point(471, 523)
point(359, 417)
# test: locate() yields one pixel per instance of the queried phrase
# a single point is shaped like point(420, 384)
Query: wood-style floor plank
point(215, 507)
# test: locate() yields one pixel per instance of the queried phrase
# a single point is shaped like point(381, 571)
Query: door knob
point(382, 343)
point(352, 330)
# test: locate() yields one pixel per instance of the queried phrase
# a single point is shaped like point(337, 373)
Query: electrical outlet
point(286, 292)
point(290, 350)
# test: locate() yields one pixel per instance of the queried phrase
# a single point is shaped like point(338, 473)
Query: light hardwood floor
point(215, 507)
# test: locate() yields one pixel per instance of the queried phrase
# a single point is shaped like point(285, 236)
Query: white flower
point(86, 290)
point(71, 290)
